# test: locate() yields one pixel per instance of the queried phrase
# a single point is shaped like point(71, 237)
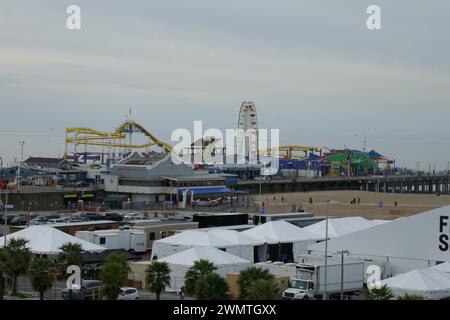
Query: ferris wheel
point(248, 122)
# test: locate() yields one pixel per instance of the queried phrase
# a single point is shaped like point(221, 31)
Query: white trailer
point(384, 266)
point(130, 240)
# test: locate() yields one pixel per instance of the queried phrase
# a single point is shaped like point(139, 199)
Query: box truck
point(309, 281)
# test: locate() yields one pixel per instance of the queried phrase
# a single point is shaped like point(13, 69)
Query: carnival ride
point(291, 151)
point(122, 138)
point(248, 121)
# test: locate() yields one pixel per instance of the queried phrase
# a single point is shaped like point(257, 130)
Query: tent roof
point(48, 240)
point(218, 238)
point(413, 237)
point(419, 280)
point(216, 256)
point(339, 226)
point(280, 232)
point(443, 267)
point(236, 237)
point(197, 238)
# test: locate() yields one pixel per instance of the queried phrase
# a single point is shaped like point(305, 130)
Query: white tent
point(413, 242)
point(243, 244)
point(229, 240)
point(48, 240)
point(282, 232)
point(339, 226)
point(429, 283)
point(379, 221)
point(180, 262)
point(442, 267)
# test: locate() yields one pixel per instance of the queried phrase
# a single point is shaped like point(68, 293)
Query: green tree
point(71, 255)
point(40, 276)
point(17, 260)
point(248, 277)
point(158, 277)
point(263, 289)
point(199, 269)
point(382, 293)
point(411, 297)
point(211, 287)
point(114, 275)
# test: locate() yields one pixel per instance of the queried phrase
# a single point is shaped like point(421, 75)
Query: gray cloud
point(312, 68)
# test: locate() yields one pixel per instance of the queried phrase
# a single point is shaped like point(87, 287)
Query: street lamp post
point(21, 149)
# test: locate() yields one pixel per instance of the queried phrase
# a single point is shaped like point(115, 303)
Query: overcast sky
point(312, 67)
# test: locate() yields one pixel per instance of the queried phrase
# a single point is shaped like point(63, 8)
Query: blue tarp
point(374, 155)
point(211, 190)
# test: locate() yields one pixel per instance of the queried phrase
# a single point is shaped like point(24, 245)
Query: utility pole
point(6, 213)
point(342, 271)
point(378, 196)
point(324, 297)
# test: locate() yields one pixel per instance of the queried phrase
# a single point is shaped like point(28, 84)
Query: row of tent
point(253, 244)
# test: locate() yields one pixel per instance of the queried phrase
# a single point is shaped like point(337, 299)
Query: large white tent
point(180, 263)
point(339, 226)
point(48, 240)
point(230, 241)
point(282, 232)
point(413, 242)
point(429, 283)
point(443, 267)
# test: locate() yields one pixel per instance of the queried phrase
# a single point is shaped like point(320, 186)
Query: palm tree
point(114, 275)
point(211, 287)
point(411, 297)
point(158, 277)
point(382, 293)
point(71, 255)
point(199, 269)
point(17, 260)
point(40, 276)
point(248, 277)
point(263, 289)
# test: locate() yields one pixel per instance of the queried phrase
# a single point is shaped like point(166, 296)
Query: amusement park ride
point(122, 138)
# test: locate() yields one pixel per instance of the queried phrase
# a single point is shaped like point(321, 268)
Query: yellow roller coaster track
point(94, 137)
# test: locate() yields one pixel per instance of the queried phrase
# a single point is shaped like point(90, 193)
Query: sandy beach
point(407, 204)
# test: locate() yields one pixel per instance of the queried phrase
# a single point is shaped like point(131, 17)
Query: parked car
point(81, 184)
point(90, 289)
point(129, 294)
point(59, 220)
point(113, 216)
point(39, 220)
point(19, 221)
point(9, 218)
point(133, 217)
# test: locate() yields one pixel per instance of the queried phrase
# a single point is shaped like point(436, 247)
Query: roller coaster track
point(94, 137)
